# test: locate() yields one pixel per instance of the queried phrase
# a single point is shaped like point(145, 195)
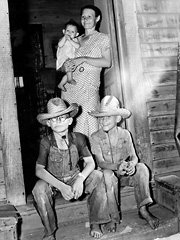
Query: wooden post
point(11, 150)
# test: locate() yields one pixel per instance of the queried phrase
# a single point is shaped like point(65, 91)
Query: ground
point(131, 228)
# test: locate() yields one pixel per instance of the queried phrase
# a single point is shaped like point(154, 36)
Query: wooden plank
point(159, 64)
point(163, 151)
point(112, 80)
point(158, 20)
point(166, 165)
point(3, 193)
point(159, 49)
point(163, 93)
point(2, 175)
point(158, 35)
point(15, 192)
point(161, 6)
point(161, 108)
point(169, 6)
point(1, 158)
point(145, 6)
point(161, 78)
point(161, 122)
point(163, 136)
point(137, 102)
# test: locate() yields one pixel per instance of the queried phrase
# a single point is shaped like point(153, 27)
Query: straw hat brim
point(124, 113)
point(72, 110)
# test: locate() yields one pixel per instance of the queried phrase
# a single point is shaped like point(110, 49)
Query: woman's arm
point(105, 61)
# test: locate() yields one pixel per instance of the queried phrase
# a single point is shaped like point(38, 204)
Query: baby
point(66, 50)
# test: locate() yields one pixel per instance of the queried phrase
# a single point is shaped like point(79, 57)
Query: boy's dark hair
point(72, 23)
point(97, 13)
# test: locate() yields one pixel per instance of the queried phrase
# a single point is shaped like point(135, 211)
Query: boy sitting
point(58, 170)
point(115, 155)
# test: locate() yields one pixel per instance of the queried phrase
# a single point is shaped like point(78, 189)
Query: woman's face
point(88, 19)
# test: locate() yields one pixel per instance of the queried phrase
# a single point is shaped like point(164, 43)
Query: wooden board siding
point(159, 108)
point(161, 122)
point(157, 21)
point(166, 165)
point(158, 6)
point(159, 49)
point(164, 151)
point(10, 144)
point(158, 28)
point(161, 78)
point(2, 179)
point(158, 64)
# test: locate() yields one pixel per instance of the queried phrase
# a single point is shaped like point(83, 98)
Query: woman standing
point(93, 55)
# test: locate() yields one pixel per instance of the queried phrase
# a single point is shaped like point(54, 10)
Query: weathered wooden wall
point(112, 79)
point(10, 152)
point(152, 33)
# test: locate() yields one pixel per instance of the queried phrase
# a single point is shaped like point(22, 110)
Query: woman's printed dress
point(86, 92)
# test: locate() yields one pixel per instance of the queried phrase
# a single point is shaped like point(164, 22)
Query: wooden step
point(68, 211)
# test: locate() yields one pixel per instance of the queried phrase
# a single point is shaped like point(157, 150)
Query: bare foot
point(152, 220)
point(95, 231)
point(110, 227)
point(61, 87)
point(72, 81)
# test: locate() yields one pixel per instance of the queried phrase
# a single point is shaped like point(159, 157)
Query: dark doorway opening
point(28, 59)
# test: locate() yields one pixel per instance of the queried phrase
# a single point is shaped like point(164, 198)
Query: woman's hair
point(97, 13)
point(72, 23)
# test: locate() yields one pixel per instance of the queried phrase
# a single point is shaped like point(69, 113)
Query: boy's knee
point(108, 173)
point(95, 176)
point(40, 187)
point(109, 177)
point(141, 169)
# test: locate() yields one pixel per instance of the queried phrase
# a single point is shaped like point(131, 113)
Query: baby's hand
point(67, 37)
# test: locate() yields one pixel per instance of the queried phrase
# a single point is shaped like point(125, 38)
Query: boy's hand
point(78, 187)
point(130, 169)
point(122, 168)
point(67, 192)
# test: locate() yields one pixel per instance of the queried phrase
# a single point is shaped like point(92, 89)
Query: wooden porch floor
point(73, 222)
point(131, 228)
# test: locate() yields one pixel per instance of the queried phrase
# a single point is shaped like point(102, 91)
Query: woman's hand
point(78, 61)
point(71, 64)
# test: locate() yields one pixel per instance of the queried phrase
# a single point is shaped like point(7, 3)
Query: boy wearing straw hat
point(115, 155)
point(58, 170)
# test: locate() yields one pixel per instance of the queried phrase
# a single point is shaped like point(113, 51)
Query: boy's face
point(109, 122)
point(60, 124)
point(70, 31)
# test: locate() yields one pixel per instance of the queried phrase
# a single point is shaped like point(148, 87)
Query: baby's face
point(71, 31)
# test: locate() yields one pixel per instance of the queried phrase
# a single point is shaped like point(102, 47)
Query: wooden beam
point(11, 150)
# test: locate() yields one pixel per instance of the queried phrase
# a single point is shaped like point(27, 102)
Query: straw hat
point(57, 107)
point(110, 106)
